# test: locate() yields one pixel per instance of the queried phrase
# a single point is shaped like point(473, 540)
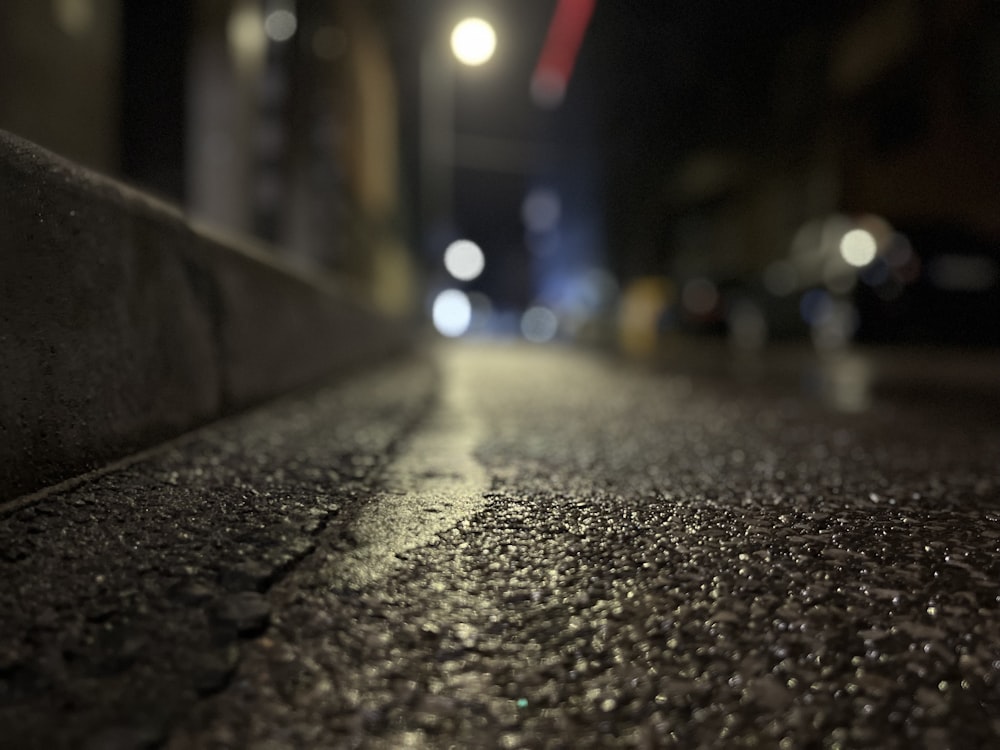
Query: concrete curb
point(123, 325)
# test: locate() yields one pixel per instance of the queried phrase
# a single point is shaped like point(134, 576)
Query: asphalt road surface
point(509, 546)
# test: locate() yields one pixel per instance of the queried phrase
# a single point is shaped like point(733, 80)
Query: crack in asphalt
point(129, 594)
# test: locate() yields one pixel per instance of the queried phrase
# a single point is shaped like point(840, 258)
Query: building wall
point(297, 141)
point(922, 124)
point(59, 76)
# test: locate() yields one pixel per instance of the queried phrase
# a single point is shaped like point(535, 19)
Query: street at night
point(499, 374)
point(512, 546)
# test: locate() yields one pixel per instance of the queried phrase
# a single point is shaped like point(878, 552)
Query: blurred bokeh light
point(464, 260)
point(821, 175)
point(452, 312)
point(473, 41)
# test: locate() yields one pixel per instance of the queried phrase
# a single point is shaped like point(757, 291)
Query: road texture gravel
point(522, 547)
point(129, 597)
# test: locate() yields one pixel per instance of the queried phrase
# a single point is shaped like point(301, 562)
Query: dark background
point(707, 158)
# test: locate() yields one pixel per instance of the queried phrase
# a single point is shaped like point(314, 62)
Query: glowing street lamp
point(473, 41)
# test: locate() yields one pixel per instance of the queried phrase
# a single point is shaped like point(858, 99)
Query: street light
point(473, 41)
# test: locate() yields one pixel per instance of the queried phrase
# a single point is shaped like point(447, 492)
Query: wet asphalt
point(511, 546)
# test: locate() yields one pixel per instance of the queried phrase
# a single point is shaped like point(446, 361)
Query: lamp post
point(472, 42)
